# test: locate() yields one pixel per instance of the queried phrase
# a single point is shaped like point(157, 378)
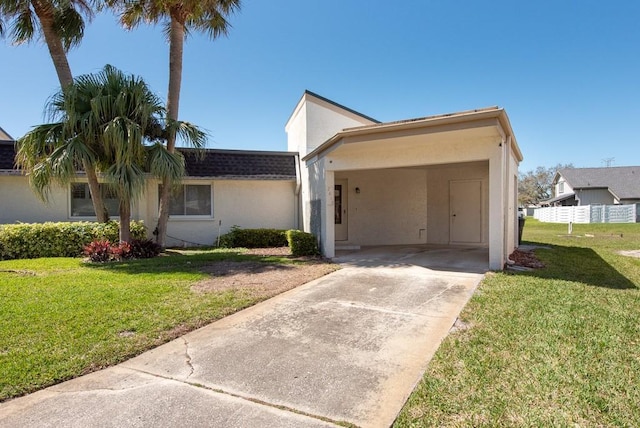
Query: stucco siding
point(412, 150)
point(318, 204)
point(297, 130)
point(390, 209)
point(315, 120)
point(323, 122)
point(245, 203)
point(438, 179)
point(20, 204)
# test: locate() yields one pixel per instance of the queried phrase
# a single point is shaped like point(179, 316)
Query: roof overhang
point(431, 124)
point(559, 198)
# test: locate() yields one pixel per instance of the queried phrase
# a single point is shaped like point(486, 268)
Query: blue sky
point(567, 72)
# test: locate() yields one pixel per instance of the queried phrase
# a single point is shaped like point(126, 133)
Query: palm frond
point(163, 164)
point(69, 25)
point(23, 28)
point(188, 133)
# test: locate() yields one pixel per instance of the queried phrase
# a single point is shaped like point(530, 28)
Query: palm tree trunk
point(176, 44)
point(102, 215)
point(125, 221)
point(44, 11)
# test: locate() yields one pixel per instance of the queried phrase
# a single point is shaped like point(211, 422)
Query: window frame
point(185, 216)
point(114, 215)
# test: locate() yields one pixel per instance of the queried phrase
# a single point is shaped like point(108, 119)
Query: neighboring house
point(596, 186)
point(347, 178)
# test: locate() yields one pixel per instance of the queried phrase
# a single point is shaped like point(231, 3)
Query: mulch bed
point(263, 279)
point(526, 259)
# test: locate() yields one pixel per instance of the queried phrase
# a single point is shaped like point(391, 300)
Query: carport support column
point(497, 189)
point(328, 237)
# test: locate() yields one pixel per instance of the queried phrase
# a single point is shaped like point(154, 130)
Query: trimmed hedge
point(302, 243)
point(253, 238)
point(63, 239)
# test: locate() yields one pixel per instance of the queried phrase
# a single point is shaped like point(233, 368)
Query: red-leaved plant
point(100, 251)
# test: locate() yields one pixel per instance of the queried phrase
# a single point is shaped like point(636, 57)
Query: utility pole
point(608, 161)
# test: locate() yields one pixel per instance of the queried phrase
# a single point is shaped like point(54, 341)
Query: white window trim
point(194, 217)
point(70, 215)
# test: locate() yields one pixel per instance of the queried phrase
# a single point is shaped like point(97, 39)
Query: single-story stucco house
point(596, 186)
point(350, 180)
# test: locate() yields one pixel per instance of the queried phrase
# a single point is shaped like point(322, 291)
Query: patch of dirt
point(526, 259)
point(275, 251)
point(262, 279)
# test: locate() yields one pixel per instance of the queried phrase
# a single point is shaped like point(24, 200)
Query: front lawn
point(558, 346)
point(61, 317)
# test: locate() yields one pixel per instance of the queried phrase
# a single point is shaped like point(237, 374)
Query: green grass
point(559, 346)
point(61, 317)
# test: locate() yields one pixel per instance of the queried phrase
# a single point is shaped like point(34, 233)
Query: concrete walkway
point(348, 347)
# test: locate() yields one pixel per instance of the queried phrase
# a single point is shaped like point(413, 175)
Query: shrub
point(144, 249)
point(102, 250)
point(98, 251)
point(302, 243)
point(253, 238)
point(63, 239)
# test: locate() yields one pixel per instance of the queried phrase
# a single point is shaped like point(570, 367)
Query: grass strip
point(558, 346)
point(61, 317)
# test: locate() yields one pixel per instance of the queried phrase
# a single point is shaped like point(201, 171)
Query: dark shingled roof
point(622, 181)
point(240, 164)
point(7, 155)
point(218, 164)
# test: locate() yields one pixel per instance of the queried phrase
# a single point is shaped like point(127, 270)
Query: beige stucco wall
point(318, 205)
point(296, 129)
point(314, 121)
point(390, 209)
point(244, 203)
point(438, 179)
point(18, 203)
point(248, 204)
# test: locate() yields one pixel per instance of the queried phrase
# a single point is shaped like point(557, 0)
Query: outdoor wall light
point(357, 190)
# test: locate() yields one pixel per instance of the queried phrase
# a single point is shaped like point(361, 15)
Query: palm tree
point(105, 119)
point(208, 16)
point(61, 24)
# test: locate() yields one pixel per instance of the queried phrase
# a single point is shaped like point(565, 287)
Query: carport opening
point(418, 205)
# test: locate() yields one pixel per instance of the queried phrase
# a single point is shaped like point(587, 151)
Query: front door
point(465, 209)
point(340, 215)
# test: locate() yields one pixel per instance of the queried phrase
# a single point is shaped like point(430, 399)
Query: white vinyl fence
point(589, 214)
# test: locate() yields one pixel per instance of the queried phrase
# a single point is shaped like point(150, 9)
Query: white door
point(465, 209)
point(341, 212)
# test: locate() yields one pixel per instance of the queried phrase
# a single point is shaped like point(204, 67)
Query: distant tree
point(178, 16)
point(61, 24)
point(536, 186)
point(106, 118)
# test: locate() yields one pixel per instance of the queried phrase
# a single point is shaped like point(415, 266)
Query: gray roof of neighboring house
point(220, 164)
point(622, 181)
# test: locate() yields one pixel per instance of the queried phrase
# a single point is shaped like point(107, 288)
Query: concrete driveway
point(348, 347)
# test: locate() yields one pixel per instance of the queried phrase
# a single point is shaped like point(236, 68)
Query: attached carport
point(449, 179)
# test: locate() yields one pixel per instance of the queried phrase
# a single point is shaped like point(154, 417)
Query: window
point(82, 206)
point(190, 199)
point(561, 187)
